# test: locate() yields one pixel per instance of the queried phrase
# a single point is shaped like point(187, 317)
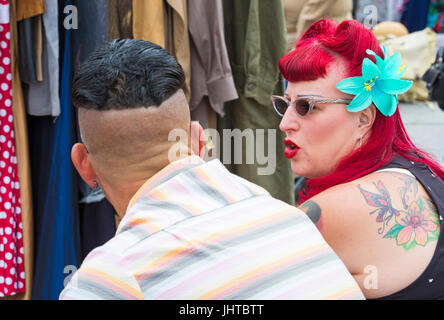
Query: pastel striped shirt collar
point(168, 172)
point(165, 174)
point(184, 189)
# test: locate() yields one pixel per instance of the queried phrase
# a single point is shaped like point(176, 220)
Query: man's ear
point(81, 161)
point(197, 139)
point(366, 119)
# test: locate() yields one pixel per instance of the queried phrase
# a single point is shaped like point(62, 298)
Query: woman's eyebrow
point(308, 95)
point(303, 96)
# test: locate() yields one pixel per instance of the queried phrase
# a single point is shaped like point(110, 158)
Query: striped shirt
point(196, 231)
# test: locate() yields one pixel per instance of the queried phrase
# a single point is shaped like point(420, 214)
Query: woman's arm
point(383, 226)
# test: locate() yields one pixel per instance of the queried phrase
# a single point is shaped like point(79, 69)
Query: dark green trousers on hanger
point(255, 37)
point(246, 113)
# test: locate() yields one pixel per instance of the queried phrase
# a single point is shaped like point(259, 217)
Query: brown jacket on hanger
point(148, 21)
point(120, 19)
point(179, 44)
point(29, 8)
point(166, 24)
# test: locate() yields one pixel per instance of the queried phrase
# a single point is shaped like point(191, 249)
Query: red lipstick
point(291, 148)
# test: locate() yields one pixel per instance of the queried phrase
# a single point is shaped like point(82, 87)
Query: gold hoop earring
point(360, 142)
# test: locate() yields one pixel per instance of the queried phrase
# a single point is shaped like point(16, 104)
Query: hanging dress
point(12, 271)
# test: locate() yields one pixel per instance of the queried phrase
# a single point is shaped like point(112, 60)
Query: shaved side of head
point(125, 140)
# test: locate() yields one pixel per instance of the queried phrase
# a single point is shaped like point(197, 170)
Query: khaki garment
point(255, 40)
point(171, 33)
point(24, 170)
point(148, 21)
point(120, 19)
point(301, 14)
point(179, 46)
point(29, 8)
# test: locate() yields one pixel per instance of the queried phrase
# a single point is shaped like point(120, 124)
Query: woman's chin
point(299, 170)
point(303, 171)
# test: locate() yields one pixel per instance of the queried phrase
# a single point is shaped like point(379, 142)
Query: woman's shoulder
point(384, 219)
point(379, 189)
point(379, 204)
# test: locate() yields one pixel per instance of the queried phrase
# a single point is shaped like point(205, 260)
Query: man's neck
point(123, 190)
point(121, 197)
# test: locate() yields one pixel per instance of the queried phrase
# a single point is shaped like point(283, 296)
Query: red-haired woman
point(376, 198)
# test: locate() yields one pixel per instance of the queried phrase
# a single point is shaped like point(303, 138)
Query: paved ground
point(425, 125)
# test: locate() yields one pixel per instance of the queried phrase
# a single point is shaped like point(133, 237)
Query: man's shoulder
point(110, 253)
point(215, 168)
point(104, 274)
point(262, 234)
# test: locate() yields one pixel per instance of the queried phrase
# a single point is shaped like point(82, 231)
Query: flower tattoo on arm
point(415, 224)
point(382, 202)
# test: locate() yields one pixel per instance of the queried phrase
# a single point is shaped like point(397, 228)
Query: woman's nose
point(289, 122)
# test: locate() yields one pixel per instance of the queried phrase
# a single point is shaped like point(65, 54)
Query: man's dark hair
point(125, 74)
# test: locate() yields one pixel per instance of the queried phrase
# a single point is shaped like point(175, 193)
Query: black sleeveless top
point(430, 284)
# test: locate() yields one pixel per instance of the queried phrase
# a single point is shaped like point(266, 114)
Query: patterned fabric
point(435, 19)
point(12, 269)
point(196, 231)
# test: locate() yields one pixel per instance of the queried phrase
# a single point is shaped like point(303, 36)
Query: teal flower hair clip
point(380, 84)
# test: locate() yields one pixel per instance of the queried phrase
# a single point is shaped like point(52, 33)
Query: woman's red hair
point(321, 44)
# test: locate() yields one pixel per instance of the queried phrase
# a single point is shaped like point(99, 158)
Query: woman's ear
point(366, 119)
point(82, 163)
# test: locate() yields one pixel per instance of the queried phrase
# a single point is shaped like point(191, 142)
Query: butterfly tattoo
point(381, 201)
